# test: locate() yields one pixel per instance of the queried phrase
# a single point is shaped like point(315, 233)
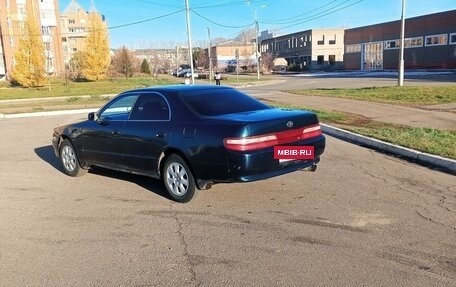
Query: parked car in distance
point(189, 136)
point(189, 74)
point(182, 72)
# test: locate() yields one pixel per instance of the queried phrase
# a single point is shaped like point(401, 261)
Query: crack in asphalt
point(187, 256)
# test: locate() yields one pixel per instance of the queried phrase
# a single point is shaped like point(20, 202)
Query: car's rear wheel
point(69, 160)
point(178, 179)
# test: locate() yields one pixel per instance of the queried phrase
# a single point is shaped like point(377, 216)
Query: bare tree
point(245, 59)
point(247, 36)
point(267, 60)
point(203, 58)
point(77, 64)
point(125, 62)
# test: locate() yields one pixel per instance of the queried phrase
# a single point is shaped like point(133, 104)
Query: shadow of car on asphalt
point(46, 153)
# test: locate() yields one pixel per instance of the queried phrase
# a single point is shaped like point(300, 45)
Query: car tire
point(178, 179)
point(69, 159)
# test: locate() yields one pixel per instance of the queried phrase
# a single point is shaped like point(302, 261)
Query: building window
point(45, 30)
point(413, 42)
point(320, 59)
point(452, 38)
point(322, 41)
point(71, 21)
point(75, 49)
point(392, 44)
point(436, 40)
point(355, 48)
point(332, 60)
point(332, 42)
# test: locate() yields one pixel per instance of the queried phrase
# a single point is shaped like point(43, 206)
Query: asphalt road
point(362, 219)
point(362, 79)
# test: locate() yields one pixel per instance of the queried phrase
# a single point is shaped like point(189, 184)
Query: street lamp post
point(401, 52)
point(209, 55)
point(257, 28)
point(257, 38)
point(189, 35)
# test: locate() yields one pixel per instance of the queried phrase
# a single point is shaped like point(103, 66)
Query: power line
point(109, 28)
point(222, 4)
point(218, 24)
point(322, 14)
point(146, 20)
point(288, 19)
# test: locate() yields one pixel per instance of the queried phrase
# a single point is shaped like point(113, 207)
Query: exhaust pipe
point(311, 168)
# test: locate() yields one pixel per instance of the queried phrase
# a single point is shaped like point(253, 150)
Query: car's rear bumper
point(260, 164)
point(290, 167)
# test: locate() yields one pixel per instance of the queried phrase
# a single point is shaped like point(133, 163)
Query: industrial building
point(430, 43)
point(316, 49)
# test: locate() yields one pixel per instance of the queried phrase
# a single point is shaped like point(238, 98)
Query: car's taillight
point(310, 132)
point(269, 140)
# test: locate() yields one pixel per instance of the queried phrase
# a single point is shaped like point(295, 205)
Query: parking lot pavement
point(362, 219)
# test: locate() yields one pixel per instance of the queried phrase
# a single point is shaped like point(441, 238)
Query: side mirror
point(91, 116)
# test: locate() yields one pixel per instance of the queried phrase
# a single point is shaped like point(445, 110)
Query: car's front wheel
point(69, 160)
point(178, 179)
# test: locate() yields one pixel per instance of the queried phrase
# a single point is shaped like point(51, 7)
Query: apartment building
point(430, 43)
point(316, 49)
point(74, 22)
point(12, 16)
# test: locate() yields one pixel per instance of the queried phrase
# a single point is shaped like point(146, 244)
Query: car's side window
point(119, 109)
point(151, 107)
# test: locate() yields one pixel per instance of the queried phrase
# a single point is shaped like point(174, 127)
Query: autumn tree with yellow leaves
point(97, 51)
point(30, 62)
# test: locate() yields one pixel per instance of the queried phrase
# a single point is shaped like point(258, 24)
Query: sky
point(141, 24)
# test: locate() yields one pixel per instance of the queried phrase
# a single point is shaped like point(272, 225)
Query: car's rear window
point(221, 102)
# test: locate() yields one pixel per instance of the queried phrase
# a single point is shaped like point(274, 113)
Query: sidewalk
point(442, 117)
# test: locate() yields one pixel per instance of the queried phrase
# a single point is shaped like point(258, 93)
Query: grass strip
point(433, 141)
point(62, 88)
point(395, 95)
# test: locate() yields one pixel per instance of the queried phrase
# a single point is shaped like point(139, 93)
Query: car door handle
point(116, 133)
point(160, 135)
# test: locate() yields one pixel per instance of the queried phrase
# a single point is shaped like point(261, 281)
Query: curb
point(50, 113)
point(425, 159)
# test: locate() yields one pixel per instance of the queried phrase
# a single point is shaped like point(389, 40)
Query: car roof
point(182, 88)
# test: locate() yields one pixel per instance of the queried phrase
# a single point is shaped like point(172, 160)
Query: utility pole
point(177, 58)
point(189, 35)
point(257, 39)
point(401, 53)
point(257, 28)
point(209, 54)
